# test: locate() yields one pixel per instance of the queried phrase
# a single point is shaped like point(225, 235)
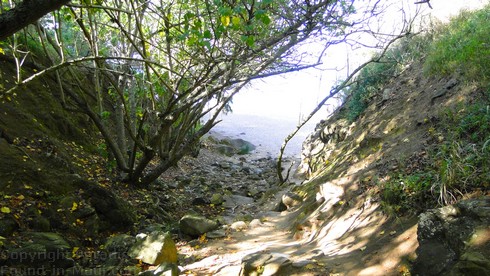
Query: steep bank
point(400, 145)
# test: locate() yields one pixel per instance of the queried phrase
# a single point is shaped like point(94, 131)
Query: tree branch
point(27, 12)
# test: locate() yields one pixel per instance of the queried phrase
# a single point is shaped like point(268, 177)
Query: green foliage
point(463, 160)
point(458, 164)
point(463, 46)
point(403, 192)
point(372, 78)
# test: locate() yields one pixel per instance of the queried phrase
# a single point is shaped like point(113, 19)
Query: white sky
point(296, 94)
point(269, 110)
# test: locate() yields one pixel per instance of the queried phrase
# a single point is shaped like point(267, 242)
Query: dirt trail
point(347, 239)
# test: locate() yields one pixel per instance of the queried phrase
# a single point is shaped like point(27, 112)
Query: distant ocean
point(266, 133)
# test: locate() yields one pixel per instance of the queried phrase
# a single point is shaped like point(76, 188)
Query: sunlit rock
point(455, 240)
point(155, 248)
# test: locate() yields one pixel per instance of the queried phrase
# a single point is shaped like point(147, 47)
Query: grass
point(372, 78)
point(463, 159)
point(455, 166)
point(462, 46)
point(458, 162)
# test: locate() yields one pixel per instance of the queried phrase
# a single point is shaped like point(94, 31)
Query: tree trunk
point(27, 12)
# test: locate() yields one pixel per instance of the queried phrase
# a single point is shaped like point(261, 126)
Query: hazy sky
point(296, 94)
point(284, 99)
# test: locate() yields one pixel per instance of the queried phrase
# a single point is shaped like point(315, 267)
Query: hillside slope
point(420, 143)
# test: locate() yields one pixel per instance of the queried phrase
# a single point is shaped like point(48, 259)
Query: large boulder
point(230, 146)
point(44, 251)
point(455, 240)
point(155, 248)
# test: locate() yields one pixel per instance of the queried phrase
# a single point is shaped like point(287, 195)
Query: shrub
point(463, 46)
point(372, 78)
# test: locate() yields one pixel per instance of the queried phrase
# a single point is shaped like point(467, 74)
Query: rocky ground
point(205, 201)
point(239, 191)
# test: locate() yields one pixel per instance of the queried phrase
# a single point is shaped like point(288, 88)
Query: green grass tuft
point(462, 46)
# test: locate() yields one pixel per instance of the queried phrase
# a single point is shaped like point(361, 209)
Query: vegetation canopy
point(154, 75)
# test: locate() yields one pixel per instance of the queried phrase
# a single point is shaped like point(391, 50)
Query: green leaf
point(265, 19)
point(250, 40)
point(188, 16)
point(236, 20)
point(207, 34)
point(206, 44)
point(105, 114)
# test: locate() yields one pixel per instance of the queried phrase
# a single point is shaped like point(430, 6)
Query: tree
point(25, 13)
point(163, 71)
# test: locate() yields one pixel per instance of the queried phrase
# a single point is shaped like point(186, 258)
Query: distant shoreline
point(266, 133)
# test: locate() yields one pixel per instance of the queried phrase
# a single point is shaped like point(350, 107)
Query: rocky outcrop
point(229, 146)
point(115, 212)
point(319, 145)
point(455, 240)
point(44, 252)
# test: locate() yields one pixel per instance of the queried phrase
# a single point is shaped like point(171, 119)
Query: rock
point(454, 240)
point(239, 145)
point(155, 248)
point(53, 242)
point(301, 263)
point(255, 192)
point(471, 263)
point(195, 225)
point(290, 199)
point(255, 223)
point(39, 223)
point(72, 210)
point(119, 243)
point(251, 263)
point(226, 150)
point(451, 83)
point(216, 234)
point(200, 201)
point(116, 212)
point(276, 264)
point(154, 227)
point(8, 226)
point(230, 146)
point(232, 201)
point(265, 264)
point(217, 199)
point(239, 226)
point(162, 270)
point(43, 248)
